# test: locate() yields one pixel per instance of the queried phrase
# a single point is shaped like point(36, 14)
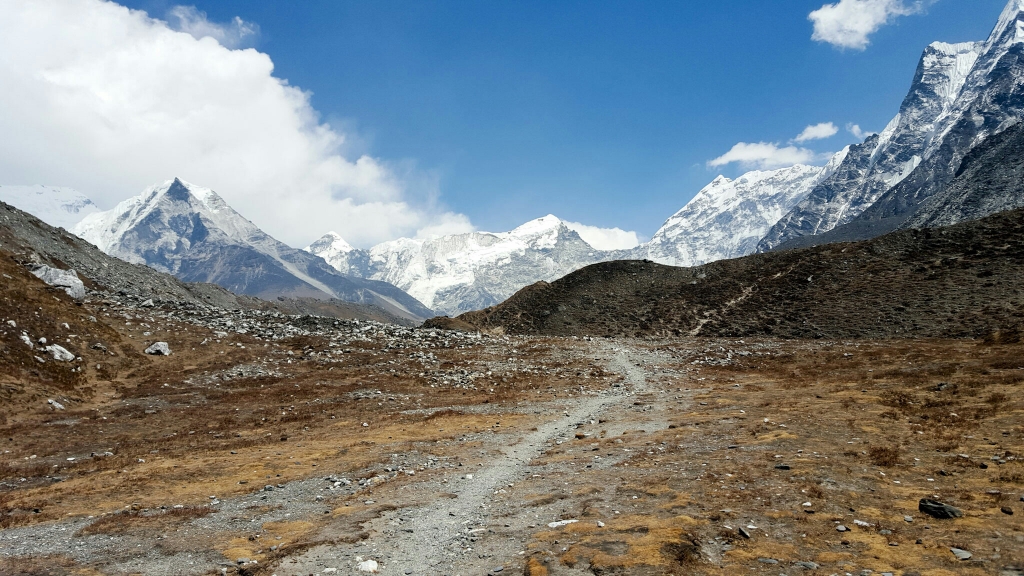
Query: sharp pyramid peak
point(331, 241)
point(1010, 16)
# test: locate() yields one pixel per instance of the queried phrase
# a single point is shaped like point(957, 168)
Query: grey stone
point(962, 555)
point(159, 349)
point(66, 279)
point(743, 532)
point(939, 510)
point(807, 565)
point(59, 353)
point(767, 561)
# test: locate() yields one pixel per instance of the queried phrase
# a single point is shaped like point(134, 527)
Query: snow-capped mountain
point(729, 217)
point(58, 207)
point(991, 101)
point(463, 272)
point(190, 232)
point(883, 160)
point(962, 95)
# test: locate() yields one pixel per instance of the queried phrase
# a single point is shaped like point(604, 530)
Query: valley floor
point(274, 445)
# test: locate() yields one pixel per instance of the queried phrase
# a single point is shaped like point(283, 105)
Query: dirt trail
point(432, 538)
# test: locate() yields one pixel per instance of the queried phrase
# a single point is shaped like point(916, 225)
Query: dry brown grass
point(135, 520)
point(884, 456)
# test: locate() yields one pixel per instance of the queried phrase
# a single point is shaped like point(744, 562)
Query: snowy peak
point(1009, 29)
point(727, 218)
point(191, 232)
point(331, 243)
point(58, 207)
point(463, 272)
point(945, 68)
point(177, 211)
point(540, 233)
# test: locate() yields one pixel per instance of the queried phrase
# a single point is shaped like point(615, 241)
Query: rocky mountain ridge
point(962, 95)
point(190, 232)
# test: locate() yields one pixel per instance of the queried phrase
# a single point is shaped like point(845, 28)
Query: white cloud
point(848, 23)
point(858, 133)
point(108, 100)
point(817, 132)
point(235, 34)
point(605, 238)
point(764, 156)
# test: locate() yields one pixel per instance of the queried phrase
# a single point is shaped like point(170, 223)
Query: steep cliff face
point(884, 160)
point(990, 180)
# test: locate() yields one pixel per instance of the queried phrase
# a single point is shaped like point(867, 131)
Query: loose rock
point(962, 555)
point(159, 349)
point(939, 510)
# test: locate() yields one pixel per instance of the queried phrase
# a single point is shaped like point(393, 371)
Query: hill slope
point(960, 281)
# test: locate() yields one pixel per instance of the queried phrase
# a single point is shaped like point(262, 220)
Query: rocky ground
point(294, 445)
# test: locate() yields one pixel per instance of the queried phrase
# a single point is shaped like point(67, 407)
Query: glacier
point(58, 207)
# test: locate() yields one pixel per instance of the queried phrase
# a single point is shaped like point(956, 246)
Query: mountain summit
point(962, 95)
point(191, 232)
point(462, 272)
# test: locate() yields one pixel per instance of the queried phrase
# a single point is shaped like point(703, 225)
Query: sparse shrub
point(997, 399)
point(885, 456)
point(1003, 336)
point(898, 398)
point(891, 415)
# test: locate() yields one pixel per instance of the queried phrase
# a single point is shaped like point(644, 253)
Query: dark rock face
point(990, 180)
point(939, 510)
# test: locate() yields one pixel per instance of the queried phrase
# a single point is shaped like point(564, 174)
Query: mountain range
point(190, 232)
point(950, 154)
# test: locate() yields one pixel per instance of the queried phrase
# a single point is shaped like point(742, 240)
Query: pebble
point(806, 565)
point(842, 528)
point(1007, 510)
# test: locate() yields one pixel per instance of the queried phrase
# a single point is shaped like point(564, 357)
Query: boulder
point(159, 349)
point(66, 279)
point(939, 510)
point(60, 354)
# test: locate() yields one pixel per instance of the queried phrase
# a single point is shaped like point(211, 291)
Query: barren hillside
point(963, 281)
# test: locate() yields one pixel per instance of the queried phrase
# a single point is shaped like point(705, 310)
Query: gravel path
point(432, 539)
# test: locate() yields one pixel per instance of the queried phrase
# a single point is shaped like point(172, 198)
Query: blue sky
point(602, 112)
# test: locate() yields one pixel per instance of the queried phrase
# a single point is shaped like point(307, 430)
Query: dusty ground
point(307, 446)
